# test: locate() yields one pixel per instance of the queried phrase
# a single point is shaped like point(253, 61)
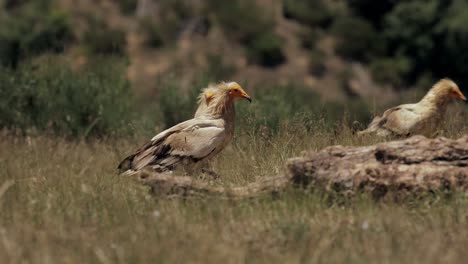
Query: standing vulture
point(194, 140)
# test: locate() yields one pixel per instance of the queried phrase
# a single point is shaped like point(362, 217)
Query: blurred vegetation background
point(111, 68)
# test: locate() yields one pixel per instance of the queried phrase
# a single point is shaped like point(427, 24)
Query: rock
point(411, 166)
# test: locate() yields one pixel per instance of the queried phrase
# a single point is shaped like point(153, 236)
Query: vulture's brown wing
point(400, 120)
point(191, 140)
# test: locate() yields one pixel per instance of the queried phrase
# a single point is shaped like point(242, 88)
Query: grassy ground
point(61, 202)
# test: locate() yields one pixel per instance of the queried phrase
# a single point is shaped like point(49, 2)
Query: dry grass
point(61, 202)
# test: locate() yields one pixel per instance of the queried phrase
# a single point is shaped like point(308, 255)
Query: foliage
point(454, 41)
point(310, 12)
point(412, 36)
point(390, 71)
point(173, 16)
point(242, 20)
point(356, 38)
point(101, 39)
point(316, 62)
point(252, 25)
point(275, 106)
point(265, 50)
point(371, 10)
point(176, 104)
point(34, 33)
point(309, 38)
point(217, 69)
point(127, 7)
point(151, 31)
point(49, 96)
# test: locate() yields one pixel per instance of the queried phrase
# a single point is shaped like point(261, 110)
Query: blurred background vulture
point(423, 117)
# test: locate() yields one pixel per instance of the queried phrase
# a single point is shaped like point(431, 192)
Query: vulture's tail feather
point(126, 164)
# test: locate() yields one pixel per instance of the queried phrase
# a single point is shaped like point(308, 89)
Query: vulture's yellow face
point(236, 91)
point(456, 93)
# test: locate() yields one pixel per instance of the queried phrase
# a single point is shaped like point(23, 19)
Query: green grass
point(66, 205)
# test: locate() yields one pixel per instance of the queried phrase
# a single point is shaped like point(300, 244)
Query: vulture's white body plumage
point(423, 117)
point(194, 140)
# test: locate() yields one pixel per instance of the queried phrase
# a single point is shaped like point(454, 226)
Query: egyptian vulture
point(194, 140)
point(206, 96)
point(420, 118)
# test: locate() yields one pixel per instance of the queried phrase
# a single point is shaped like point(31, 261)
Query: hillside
point(325, 57)
point(200, 42)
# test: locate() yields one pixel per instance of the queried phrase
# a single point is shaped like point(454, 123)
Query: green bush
point(52, 33)
point(177, 104)
point(371, 10)
point(9, 50)
point(38, 5)
point(101, 39)
point(309, 12)
point(409, 29)
point(273, 107)
point(173, 16)
point(242, 20)
point(152, 32)
point(217, 69)
point(265, 50)
point(454, 40)
point(356, 38)
point(390, 71)
point(31, 34)
point(127, 7)
point(309, 38)
point(49, 96)
point(316, 63)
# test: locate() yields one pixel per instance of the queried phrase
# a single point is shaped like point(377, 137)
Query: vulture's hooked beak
point(246, 96)
point(458, 94)
point(462, 97)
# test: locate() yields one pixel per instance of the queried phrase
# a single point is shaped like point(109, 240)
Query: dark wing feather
point(193, 140)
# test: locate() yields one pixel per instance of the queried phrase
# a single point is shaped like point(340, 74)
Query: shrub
point(279, 105)
point(309, 38)
point(217, 69)
point(173, 16)
point(454, 27)
point(47, 95)
point(177, 104)
point(242, 20)
point(9, 50)
point(265, 50)
point(100, 39)
point(356, 38)
point(390, 71)
point(152, 32)
point(309, 12)
point(409, 29)
point(272, 107)
point(371, 10)
point(316, 63)
point(51, 33)
point(31, 34)
point(127, 7)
